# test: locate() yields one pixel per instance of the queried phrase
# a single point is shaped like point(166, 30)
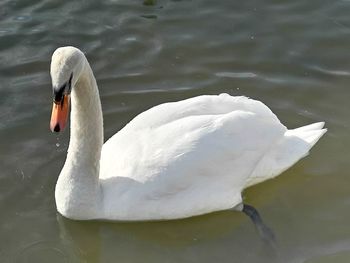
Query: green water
point(292, 55)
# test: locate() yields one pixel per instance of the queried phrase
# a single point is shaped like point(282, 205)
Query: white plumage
point(175, 160)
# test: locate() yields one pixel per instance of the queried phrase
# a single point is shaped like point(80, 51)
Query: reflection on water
point(136, 242)
point(291, 55)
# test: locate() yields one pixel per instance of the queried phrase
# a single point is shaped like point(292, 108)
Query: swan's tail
point(295, 145)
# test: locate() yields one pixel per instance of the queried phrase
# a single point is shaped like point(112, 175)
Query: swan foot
point(264, 231)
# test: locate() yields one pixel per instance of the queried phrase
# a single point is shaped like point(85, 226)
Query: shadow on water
point(137, 241)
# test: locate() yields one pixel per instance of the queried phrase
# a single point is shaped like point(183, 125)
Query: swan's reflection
point(149, 241)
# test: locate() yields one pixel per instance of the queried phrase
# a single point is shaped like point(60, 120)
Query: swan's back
point(192, 157)
point(200, 105)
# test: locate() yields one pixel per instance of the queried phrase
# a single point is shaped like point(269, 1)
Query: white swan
point(174, 160)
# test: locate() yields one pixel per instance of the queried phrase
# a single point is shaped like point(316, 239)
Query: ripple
point(331, 72)
point(4, 32)
point(130, 38)
point(23, 18)
point(40, 251)
point(239, 75)
point(149, 16)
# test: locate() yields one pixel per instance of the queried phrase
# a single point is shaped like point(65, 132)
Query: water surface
point(292, 55)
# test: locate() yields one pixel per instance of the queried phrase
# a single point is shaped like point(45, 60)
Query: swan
point(175, 160)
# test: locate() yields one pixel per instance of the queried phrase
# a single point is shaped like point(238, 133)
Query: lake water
point(292, 55)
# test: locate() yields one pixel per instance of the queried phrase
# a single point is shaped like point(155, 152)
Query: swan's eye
point(58, 93)
point(65, 89)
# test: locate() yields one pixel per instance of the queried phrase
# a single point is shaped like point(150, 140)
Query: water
point(293, 56)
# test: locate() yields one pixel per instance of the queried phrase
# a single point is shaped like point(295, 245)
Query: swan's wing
point(200, 105)
point(168, 126)
point(200, 161)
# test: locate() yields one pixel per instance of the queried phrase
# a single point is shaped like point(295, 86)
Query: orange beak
point(59, 115)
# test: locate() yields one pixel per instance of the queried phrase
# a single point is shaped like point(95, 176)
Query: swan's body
point(174, 160)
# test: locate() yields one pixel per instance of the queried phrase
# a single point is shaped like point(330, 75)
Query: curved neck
point(78, 190)
point(86, 136)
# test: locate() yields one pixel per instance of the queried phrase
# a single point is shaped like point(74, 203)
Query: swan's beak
point(59, 115)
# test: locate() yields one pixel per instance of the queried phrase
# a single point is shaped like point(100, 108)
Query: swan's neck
point(78, 190)
point(86, 136)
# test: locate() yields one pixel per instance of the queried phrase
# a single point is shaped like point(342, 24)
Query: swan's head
point(67, 63)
